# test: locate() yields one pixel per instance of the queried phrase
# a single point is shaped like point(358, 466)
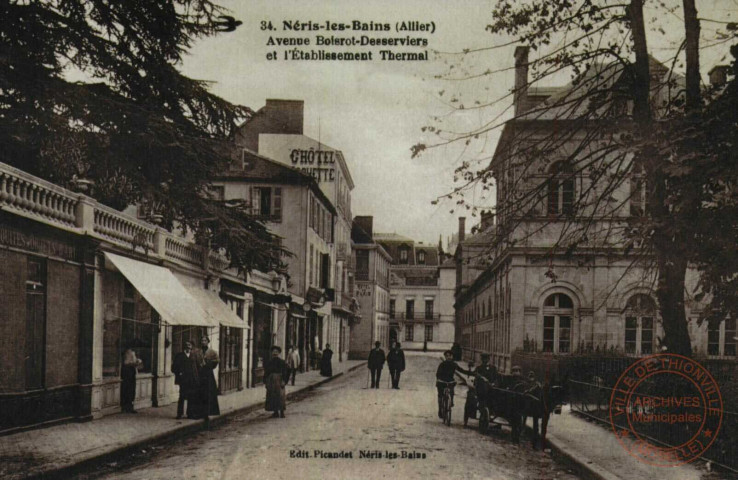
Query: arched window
point(640, 313)
point(561, 189)
point(558, 310)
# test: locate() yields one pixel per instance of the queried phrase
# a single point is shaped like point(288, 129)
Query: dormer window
point(404, 250)
point(421, 257)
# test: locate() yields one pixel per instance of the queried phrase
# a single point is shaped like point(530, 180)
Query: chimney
point(520, 93)
point(462, 228)
point(366, 223)
point(488, 219)
point(286, 116)
point(719, 75)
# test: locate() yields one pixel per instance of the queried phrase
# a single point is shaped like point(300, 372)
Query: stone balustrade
point(31, 197)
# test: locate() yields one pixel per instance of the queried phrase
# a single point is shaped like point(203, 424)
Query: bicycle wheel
point(447, 413)
point(483, 420)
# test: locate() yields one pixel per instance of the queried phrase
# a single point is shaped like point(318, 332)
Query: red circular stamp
point(666, 409)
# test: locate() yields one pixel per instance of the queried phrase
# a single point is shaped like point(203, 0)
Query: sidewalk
point(594, 448)
point(49, 451)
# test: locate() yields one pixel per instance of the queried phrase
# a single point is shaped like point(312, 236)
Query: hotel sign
point(320, 164)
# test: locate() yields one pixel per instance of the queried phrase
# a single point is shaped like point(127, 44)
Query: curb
point(115, 451)
point(581, 463)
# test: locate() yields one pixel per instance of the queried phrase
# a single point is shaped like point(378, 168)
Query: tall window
point(638, 191)
point(138, 326)
point(310, 273)
point(35, 323)
point(721, 338)
point(429, 333)
point(640, 313)
point(404, 250)
point(429, 309)
point(558, 310)
point(266, 202)
point(409, 331)
point(392, 308)
point(561, 189)
point(409, 309)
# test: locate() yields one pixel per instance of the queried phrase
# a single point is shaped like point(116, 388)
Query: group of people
point(193, 372)
point(278, 372)
point(395, 360)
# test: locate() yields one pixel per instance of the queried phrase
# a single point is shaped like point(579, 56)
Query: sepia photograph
point(274, 239)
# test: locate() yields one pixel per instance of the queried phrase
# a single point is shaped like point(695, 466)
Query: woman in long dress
point(275, 378)
point(326, 368)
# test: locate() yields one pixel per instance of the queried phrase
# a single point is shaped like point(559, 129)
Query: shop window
point(640, 313)
point(409, 331)
point(557, 314)
point(35, 323)
point(561, 189)
point(138, 327)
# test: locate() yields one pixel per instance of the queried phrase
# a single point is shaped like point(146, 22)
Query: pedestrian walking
point(326, 368)
point(376, 363)
point(293, 363)
point(275, 379)
point(131, 364)
point(208, 389)
point(186, 375)
point(396, 364)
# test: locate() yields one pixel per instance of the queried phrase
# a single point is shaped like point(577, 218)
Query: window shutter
point(277, 203)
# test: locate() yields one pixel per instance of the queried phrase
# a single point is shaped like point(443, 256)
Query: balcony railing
point(31, 197)
point(417, 317)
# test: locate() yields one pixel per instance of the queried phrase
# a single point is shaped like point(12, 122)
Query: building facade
point(82, 283)
point(372, 264)
point(276, 132)
point(421, 294)
point(528, 295)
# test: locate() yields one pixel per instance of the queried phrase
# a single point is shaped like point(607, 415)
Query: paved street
point(343, 416)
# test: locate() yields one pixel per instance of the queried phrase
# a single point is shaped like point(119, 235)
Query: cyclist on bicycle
point(445, 377)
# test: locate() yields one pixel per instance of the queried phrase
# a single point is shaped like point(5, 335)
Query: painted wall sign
point(320, 164)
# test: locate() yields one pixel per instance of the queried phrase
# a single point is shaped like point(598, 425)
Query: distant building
point(421, 293)
point(372, 265)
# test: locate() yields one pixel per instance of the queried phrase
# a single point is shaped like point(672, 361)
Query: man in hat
point(376, 363)
point(396, 364)
point(184, 368)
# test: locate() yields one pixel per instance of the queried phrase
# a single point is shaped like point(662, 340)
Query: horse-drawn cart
point(509, 401)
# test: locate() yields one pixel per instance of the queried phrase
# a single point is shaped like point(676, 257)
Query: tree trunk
point(670, 293)
point(692, 51)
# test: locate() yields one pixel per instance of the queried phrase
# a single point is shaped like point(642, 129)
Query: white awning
point(163, 291)
point(217, 309)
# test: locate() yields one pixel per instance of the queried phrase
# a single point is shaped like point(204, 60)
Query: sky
point(375, 111)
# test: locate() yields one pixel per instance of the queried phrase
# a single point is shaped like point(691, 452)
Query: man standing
point(485, 375)
point(207, 360)
point(293, 362)
point(184, 368)
point(376, 363)
point(396, 364)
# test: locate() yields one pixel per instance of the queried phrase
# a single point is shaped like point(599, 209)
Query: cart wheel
point(483, 420)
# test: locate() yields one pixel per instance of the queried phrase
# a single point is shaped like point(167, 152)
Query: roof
point(261, 169)
point(393, 243)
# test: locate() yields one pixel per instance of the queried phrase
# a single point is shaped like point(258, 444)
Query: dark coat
point(376, 359)
point(396, 359)
point(208, 388)
point(326, 368)
point(276, 373)
point(185, 371)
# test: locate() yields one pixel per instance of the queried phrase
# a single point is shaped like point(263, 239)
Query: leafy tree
point(627, 132)
point(91, 92)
